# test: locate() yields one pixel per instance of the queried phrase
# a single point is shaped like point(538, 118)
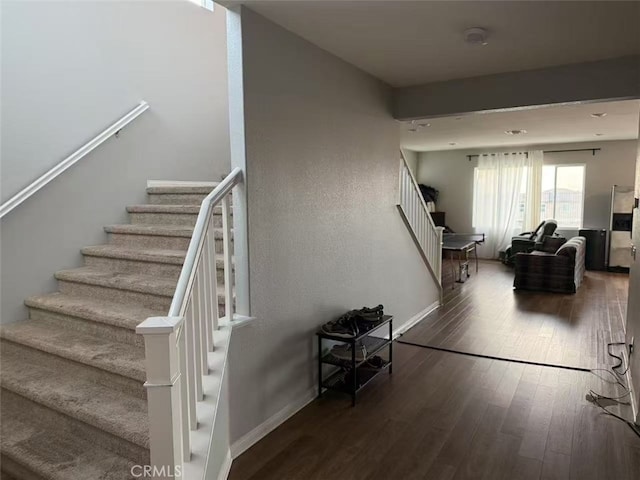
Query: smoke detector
point(476, 36)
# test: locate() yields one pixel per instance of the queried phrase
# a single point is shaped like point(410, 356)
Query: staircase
point(73, 402)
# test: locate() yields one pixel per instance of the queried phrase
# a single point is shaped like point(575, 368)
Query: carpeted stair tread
point(56, 456)
point(117, 314)
point(159, 230)
point(150, 208)
point(199, 189)
point(121, 252)
point(119, 358)
point(117, 413)
point(151, 229)
point(121, 281)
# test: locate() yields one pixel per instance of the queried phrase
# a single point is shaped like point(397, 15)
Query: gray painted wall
point(452, 173)
point(325, 234)
point(66, 77)
point(584, 82)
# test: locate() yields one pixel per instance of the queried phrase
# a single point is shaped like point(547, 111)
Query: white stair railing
point(425, 234)
point(178, 347)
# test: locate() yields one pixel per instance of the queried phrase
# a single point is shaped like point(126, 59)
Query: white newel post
point(163, 395)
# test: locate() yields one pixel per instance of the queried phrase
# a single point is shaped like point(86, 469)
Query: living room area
point(551, 192)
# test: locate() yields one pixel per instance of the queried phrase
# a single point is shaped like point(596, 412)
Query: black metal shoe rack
point(344, 380)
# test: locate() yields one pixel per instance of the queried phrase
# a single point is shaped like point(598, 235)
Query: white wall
point(411, 158)
point(325, 234)
point(452, 174)
point(71, 68)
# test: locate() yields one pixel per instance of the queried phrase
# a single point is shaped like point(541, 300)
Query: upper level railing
point(178, 346)
point(72, 159)
point(415, 213)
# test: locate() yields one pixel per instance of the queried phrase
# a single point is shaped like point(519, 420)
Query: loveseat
point(559, 271)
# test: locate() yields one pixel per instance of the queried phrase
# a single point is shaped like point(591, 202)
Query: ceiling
point(415, 42)
point(555, 124)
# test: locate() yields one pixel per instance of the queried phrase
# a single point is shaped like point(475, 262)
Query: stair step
point(170, 237)
point(153, 236)
point(114, 381)
point(32, 451)
point(178, 195)
point(170, 215)
point(144, 290)
point(156, 262)
point(120, 258)
point(183, 189)
point(120, 415)
point(121, 359)
point(114, 320)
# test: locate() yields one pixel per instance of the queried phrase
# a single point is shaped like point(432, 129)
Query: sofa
point(547, 270)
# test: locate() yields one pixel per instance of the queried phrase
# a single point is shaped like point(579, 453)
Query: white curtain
point(506, 198)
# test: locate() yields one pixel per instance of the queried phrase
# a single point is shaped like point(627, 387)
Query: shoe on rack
point(344, 326)
point(375, 362)
point(344, 352)
point(371, 312)
point(367, 318)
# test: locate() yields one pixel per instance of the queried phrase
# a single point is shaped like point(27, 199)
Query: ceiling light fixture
point(599, 115)
point(475, 36)
point(515, 132)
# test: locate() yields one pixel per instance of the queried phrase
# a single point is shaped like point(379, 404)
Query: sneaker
point(344, 352)
point(375, 362)
point(344, 326)
point(373, 312)
point(367, 318)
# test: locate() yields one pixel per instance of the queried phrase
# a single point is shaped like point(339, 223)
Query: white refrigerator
point(622, 199)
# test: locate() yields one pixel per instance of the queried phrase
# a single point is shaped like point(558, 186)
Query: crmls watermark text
point(154, 471)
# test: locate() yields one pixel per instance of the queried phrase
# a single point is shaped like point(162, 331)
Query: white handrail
point(185, 281)
point(414, 211)
point(72, 159)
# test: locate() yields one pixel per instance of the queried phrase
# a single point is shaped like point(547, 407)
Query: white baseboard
point(415, 319)
point(225, 469)
point(254, 436)
point(634, 406)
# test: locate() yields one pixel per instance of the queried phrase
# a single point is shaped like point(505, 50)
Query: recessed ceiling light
point(515, 132)
point(452, 143)
point(475, 36)
point(599, 115)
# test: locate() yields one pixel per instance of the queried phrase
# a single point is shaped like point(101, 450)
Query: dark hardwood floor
point(450, 416)
point(486, 316)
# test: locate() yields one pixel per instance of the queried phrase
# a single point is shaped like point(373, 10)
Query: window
point(563, 194)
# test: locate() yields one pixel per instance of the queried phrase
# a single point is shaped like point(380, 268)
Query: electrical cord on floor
point(595, 397)
point(631, 425)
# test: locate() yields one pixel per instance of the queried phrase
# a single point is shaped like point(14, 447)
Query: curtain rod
point(592, 150)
